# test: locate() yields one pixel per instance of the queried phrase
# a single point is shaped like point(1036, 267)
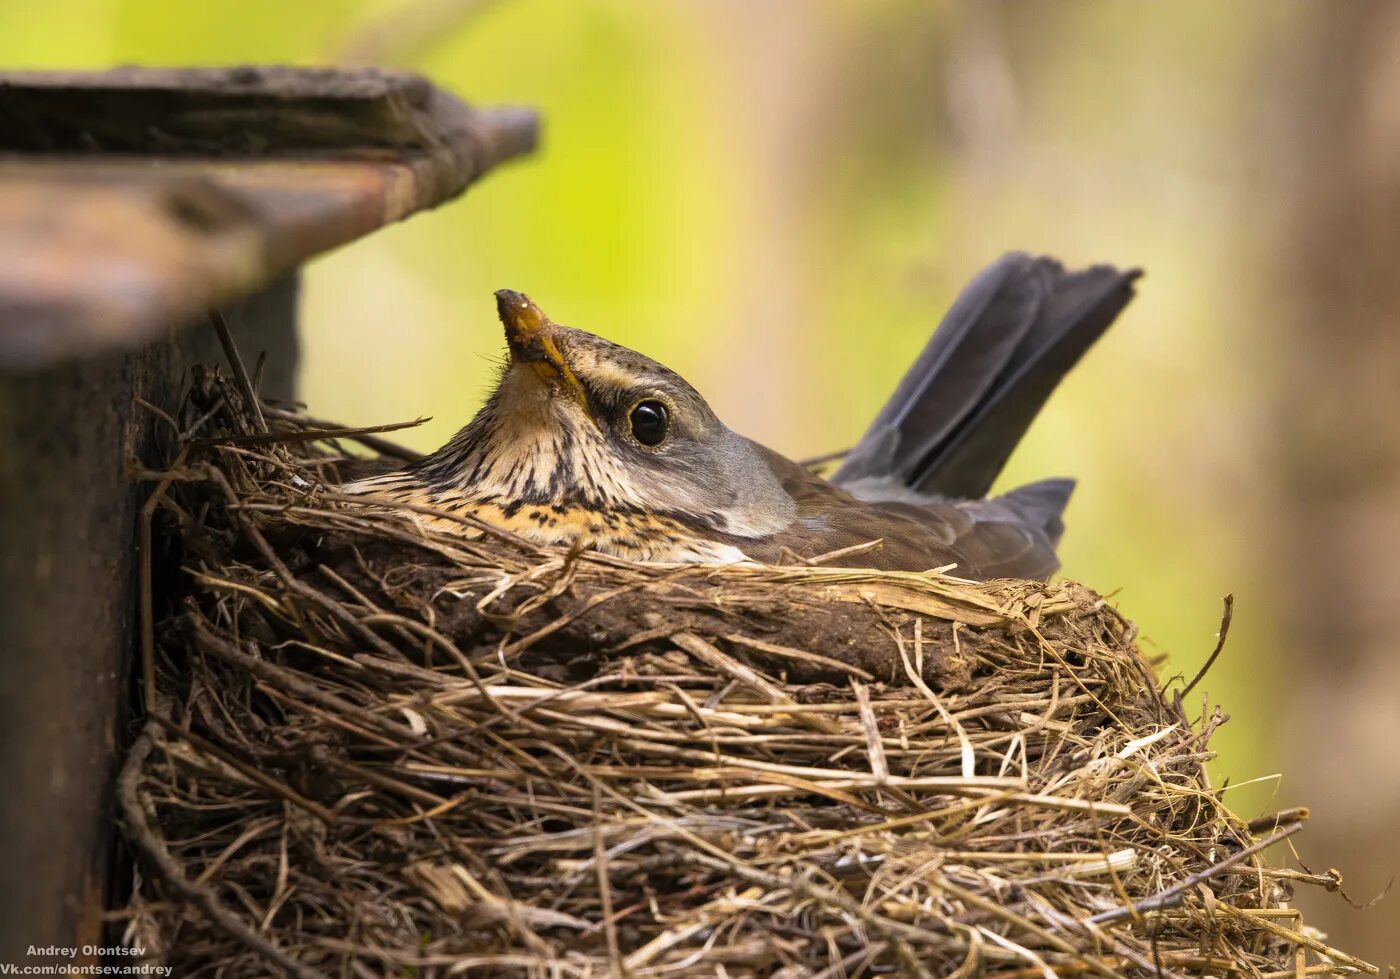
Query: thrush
point(587, 444)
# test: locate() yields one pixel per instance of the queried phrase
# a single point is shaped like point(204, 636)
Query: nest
point(378, 749)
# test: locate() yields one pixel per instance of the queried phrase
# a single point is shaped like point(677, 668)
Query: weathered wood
point(241, 111)
point(132, 200)
point(68, 516)
point(131, 203)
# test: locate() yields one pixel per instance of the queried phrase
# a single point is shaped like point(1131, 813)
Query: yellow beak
point(531, 336)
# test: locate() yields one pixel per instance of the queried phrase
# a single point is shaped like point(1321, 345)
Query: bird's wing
point(964, 404)
point(1005, 537)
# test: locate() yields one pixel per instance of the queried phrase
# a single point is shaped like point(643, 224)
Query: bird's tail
point(1010, 337)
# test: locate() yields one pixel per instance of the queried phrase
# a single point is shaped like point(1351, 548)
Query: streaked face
point(578, 420)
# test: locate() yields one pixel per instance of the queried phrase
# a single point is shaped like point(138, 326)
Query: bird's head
point(576, 420)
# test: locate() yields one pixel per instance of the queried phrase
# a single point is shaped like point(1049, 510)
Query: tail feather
point(1041, 504)
point(1005, 344)
point(1016, 534)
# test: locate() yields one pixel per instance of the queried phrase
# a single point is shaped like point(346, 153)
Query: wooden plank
point(131, 201)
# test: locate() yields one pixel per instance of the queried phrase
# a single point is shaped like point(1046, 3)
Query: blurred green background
point(779, 199)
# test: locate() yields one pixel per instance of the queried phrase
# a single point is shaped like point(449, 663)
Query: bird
point(589, 445)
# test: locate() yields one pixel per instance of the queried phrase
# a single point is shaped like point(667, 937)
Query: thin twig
point(147, 597)
point(235, 362)
point(139, 831)
point(1225, 618)
point(383, 446)
point(815, 462)
point(1173, 895)
point(304, 435)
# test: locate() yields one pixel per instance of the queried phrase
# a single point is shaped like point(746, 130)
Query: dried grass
point(379, 750)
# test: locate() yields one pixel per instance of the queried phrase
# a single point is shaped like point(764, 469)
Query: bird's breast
point(626, 533)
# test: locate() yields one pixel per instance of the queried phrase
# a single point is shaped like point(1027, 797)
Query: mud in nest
point(379, 750)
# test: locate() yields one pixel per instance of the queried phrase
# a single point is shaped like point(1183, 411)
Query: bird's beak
point(533, 343)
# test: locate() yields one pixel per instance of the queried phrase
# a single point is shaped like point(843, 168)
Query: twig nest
point(381, 749)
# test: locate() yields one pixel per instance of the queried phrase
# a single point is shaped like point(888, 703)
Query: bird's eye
point(649, 422)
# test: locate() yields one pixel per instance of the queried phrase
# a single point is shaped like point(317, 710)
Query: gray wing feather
point(1005, 344)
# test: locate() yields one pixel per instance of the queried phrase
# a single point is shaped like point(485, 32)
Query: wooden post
point(131, 203)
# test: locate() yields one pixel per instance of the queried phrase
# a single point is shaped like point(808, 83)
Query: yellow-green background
point(779, 199)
